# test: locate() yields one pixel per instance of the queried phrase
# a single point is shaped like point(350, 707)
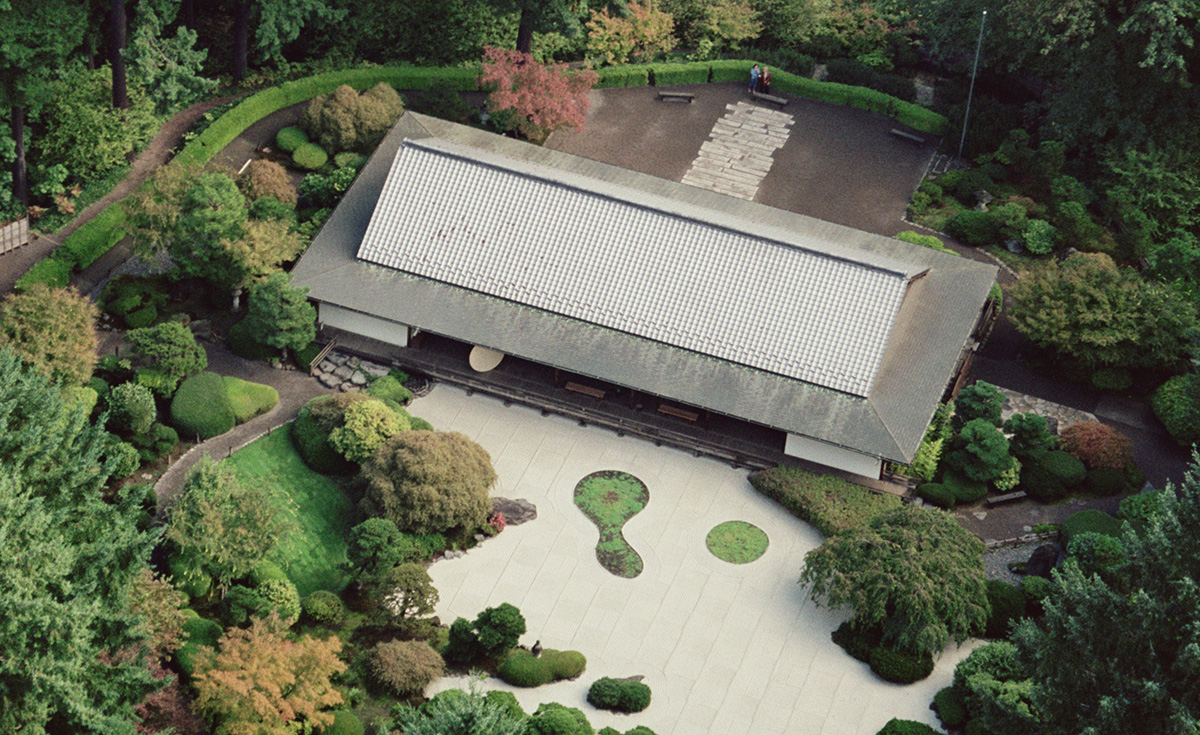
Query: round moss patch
point(737, 542)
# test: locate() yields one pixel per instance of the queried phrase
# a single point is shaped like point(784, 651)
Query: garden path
point(725, 648)
point(295, 389)
point(738, 153)
point(157, 152)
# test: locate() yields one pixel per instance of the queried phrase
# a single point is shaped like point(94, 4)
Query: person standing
point(764, 81)
point(753, 79)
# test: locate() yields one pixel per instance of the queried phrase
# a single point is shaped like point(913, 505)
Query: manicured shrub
point(156, 442)
point(1069, 470)
point(388, 388)
point(350, 159)
point(188, 577)
point(156, 380)
point(131, 409)
point(268, 208)
point(281, 596)
point(241, 603)
point(462, 644)
point(951, 708)
point(1176, 403)
point(1096, 553)
point(124, 458)
point(1030, 436)
point(1089, 520)
point(906, 727)
point(1036, 590)
point(1140, 507)
point(565, 664)
point(926, 241)
point(50, 271)
point(936, 493)
point(263, 178)
point(249, 399)
point(406, 667)
point(977, 229)
point(1112, 379)
point(555, 719)
point(345, 722)
point(858, 642)
point(521, 669)
point(201, 407)
point(692, 73)
point(241, 341)
point(506, 701)
point(310, 156)
point(366, 426)
point(324, 608)
point(1039, 236)
point(499, 627)
point(630, 75)
point(979, 400)
point(344, 120)
point(997, 659)
point(971, 181)
point(828, 503)
point(142, 318)
point(1106, 483)
point(1096, 445)
point(619, 695)
point(964, 489)
point(1007, 604)
point(900, 667)
point(202, 632)
point(290, 138)
point(1041, 484)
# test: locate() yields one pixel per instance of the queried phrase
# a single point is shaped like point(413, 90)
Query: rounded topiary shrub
point(964, 489)
point(141, 318)
point(201, 408)
point(521, 669)
point(936, 493)
point(553, 718)
point(263, 178)
point(310, 156)
point(1040, 483)
point(324, 608)
point(1089, 520)
point(1007, 603)
point(951, 707)
point(1069, 470)
point(290, 138)
point(131, 409)
point(344, 723)
point(906, 727)
point(266, 571)
point(857, 642)
point(406, 667)
point(281, 596)
point(565, 664)
point(977, 229)
point(619, 695)
point(1097, 445)
point(1176, 403)
point(1107, 482)
point(506, 701)
point(900, 667)
point(388, 388)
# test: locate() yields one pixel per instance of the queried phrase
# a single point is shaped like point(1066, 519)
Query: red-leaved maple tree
point(540, 98)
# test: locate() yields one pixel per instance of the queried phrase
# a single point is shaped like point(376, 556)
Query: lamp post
point(971, 91)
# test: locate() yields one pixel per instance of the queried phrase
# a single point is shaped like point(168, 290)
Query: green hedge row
point(82, 248)
point(624, 76)
point(694, 73)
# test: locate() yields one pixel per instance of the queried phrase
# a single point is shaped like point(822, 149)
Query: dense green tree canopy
point(914, 572)
point(68, 641)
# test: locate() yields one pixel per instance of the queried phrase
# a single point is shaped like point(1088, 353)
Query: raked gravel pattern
point(737, 155)
point(725, 648)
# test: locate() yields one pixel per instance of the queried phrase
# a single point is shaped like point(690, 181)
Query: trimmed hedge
point(324, 608)
point(388, 388)
point(905, 113)
point(201, 407)
point(1089, 521)
point(94, 238)
point(964, 489)
point(290, 138)
point(310, 156)
point(828, 503)
point(249, 399)
point(633, 75)
point(1069, 470)
point(619, 695)
point(521, 669)
point(900, 667)
point(936, 493)
point(951, 707)
point(345, 722)
point(693, 73)
point(1040, 483)
point(50, 271)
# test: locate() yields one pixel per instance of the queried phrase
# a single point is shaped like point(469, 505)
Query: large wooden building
point(842, 340)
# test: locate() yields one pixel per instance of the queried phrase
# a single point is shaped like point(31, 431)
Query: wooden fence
point(13, 235)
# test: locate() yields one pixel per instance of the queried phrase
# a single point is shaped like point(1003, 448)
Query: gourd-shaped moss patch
point(608, 499)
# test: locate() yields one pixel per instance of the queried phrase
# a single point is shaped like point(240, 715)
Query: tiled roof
point(624, 261)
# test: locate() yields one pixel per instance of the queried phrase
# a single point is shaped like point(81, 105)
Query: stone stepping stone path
point(1058, 415)
point(347, 373)
point(737, 155)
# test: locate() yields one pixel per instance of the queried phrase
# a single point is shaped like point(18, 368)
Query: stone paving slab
point(1020, 403)
point(725, 648)
point(737, 156)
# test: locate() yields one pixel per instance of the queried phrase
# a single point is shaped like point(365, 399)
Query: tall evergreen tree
point(69, 646)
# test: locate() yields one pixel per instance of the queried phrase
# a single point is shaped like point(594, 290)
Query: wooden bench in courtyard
point(907, 135)
point(781, 101)
point(677, 96)
point(1002, 499)
point(679, 413)
point(586, 390)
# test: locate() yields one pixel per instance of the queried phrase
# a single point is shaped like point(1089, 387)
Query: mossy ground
point(609, 499)
point(737, 542)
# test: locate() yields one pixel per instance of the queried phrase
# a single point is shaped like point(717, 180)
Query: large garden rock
point(358, 379)
point(329, 380)
point(1042, 560)
point(516, 511)
point(344, 372)
point(375, 370)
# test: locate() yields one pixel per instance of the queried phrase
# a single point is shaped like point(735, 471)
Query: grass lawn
point(737, 542)
point(312, 555)
point(609, 499)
